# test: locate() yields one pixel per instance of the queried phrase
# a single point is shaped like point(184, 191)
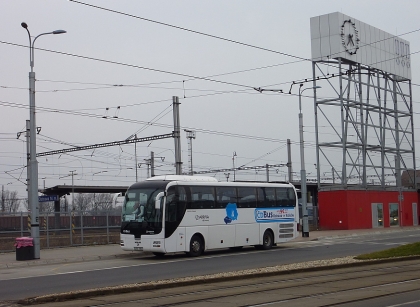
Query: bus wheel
point(196, 246)
point(267, 240)
point(158, 254)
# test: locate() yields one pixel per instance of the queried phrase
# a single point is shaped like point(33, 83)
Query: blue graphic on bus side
point(231, 213)
point(265, 215)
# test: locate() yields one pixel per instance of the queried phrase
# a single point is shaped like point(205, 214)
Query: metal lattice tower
point(364, 120)
point(365, 133)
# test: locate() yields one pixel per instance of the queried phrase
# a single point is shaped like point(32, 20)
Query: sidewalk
point(68, 255)
point(113, 251)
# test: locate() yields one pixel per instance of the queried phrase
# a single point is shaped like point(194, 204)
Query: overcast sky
point(126, 68)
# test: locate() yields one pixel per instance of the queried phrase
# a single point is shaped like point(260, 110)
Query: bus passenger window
point(225, 195)
point(266, 197)
point(282, 197)
point(247, 197)
point(202, 197)
point(292, 197)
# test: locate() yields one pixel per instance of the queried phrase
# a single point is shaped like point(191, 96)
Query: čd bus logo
point(274, 215)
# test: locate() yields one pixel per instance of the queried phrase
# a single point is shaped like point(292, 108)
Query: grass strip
point(412, 249)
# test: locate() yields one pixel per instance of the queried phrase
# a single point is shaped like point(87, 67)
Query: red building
point(363, 209)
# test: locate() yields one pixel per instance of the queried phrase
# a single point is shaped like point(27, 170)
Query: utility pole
point(71, 215)
point(135, 156)
point(289, 160)
point(152, 164)
point(190, 136)
point(233, 162)
point(2, 199)
point(149, 165)
point(177, 136)
point(72, 189)
point(267, 172)
point(28, 161)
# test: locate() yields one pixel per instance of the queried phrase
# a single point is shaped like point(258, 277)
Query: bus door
point(175, 207)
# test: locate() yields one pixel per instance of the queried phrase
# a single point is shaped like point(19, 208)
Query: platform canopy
point(61, 190)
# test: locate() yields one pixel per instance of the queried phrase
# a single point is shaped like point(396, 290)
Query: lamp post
point(33, 163)
point(305, 226)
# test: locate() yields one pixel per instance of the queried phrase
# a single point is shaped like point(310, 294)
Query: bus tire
point(268, 240)
point(158, 254)
point(196, 246)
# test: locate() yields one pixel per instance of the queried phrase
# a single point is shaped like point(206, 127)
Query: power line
point(189, 30)
point(128, 65)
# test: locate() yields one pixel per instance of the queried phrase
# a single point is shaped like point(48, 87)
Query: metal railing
point(59, 229)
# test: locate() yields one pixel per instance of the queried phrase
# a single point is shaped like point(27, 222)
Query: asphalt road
point(21, 283)
point(388, 284)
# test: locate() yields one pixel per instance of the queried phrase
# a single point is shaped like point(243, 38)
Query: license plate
point(136, 248)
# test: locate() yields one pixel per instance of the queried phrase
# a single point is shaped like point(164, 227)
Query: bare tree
point(10, 201)
point(45, 207)
point(25, 204)
point(64, 206)
point(82, 202)
point(102, 202)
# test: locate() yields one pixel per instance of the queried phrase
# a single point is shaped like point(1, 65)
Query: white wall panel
point(376, 47)
point(334, 24)
point(335, 43)
point(324, 26)
point(316, 48)
point(325, 46)
point(315, 27)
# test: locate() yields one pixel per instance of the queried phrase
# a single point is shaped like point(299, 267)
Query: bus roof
point(183, 178)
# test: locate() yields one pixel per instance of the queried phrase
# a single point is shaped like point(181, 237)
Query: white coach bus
point(167, 214)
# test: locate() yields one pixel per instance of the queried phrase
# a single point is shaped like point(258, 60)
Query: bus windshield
point(139, 206)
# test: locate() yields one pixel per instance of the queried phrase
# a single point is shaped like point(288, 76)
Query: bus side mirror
point(158, 199)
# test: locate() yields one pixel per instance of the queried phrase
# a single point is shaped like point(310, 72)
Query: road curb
point(37, 262)
point(165, 284)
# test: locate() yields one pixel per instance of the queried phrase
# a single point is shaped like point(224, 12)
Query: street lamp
point(33, 163)
point(305, 226)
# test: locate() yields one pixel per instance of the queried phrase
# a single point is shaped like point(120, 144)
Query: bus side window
point(282, 197)
point(292, 197)
point(247, 197)
point(181, 202)
point(225, 195)
point(202, 197)
point(266, 197)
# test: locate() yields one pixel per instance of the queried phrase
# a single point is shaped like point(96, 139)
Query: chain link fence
point(59, 229)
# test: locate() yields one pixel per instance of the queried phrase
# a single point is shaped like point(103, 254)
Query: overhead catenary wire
point(190, 30)
point(130, 65)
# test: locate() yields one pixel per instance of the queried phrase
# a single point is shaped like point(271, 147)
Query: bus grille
point(287, 225)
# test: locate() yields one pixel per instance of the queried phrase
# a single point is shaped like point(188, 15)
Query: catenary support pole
point(152, 164)
point(289, 160)
point(177, 136)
